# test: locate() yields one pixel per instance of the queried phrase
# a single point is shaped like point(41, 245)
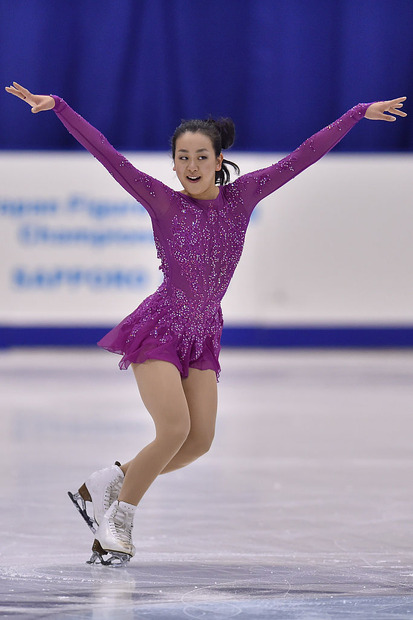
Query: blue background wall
point(281, 69)
point(135, 68)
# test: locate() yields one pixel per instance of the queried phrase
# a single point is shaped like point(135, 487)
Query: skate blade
point(115, 559)
point(80, 504)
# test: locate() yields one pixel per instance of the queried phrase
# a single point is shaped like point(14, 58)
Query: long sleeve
point(151, 193)
point(255, 186)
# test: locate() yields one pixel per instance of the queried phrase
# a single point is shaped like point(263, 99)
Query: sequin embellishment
point(198, 260)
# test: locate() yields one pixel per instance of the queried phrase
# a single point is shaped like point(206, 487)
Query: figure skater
point(172, 340)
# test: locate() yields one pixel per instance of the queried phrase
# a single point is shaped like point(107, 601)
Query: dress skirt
point(158, 330)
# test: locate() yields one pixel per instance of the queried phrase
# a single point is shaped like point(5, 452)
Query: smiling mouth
point(193, 179)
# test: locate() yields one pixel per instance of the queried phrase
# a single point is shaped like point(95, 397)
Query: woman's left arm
point(255, 186)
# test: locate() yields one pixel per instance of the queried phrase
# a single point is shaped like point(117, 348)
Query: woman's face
point(195, 165)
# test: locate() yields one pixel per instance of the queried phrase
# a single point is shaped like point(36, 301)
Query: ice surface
point(302, 508)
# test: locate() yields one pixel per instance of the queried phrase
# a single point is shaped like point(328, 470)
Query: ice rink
point(301, 510)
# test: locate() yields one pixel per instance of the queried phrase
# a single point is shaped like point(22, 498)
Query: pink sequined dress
point(199, 244)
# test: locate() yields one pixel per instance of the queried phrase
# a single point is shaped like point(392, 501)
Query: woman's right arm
point(151, 193)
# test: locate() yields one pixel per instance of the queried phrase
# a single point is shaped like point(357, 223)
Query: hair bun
point(226, 128)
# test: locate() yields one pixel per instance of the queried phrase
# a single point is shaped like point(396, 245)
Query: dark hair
point(222, 135)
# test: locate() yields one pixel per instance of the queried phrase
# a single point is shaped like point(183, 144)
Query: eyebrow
point(185, 150)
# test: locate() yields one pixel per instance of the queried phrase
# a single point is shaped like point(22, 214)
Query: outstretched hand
point(377, 111)
point(38, 103)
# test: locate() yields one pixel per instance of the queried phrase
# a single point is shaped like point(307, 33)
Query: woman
point(172, 340)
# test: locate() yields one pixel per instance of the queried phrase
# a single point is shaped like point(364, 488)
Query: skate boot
point(114, 536)
point(101, 489)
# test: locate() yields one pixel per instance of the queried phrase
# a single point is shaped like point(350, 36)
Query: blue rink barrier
point(246, 336)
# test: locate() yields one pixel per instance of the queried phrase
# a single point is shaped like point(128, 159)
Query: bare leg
point(162, 393)
point(200, 389)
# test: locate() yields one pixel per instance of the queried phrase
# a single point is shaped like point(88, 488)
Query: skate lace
point(112, 492)
point(121, 526)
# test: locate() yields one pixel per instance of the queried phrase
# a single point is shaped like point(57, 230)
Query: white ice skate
point(102, 488)
point(114, 536)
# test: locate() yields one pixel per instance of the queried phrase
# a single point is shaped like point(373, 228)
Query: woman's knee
point(198, 445)
point(174, 431)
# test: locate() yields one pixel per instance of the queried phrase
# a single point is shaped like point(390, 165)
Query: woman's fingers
point(395, 109)
point(398, 100)
point(384, 110)
point(38, 103)
point(19, 91)
point(394, 106)
point(14, 91)
point(392, 103)
point(380, 116)
point(398, 112)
